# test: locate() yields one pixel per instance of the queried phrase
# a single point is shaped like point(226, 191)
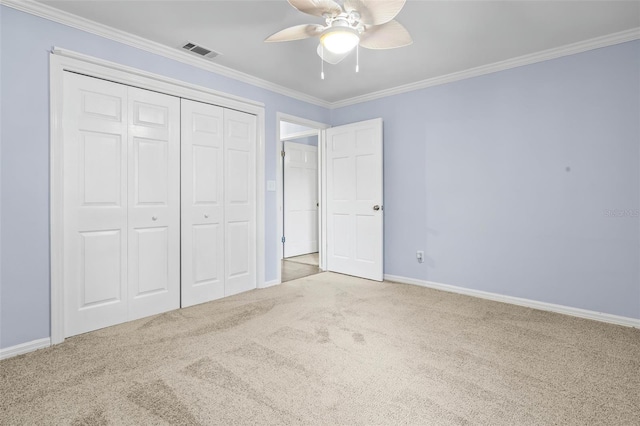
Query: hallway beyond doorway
point(300, 266)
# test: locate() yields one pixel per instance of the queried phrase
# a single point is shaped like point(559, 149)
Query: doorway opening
point(299, 193)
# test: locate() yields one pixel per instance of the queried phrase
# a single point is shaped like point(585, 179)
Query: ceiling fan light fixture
point(340, 39)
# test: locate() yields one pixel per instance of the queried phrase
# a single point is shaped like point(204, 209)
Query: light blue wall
point(476, 175)
point(25, 42)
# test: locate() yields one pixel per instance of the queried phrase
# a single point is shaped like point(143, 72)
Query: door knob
point(154, 218)
point(376, 207)
point(206, 216)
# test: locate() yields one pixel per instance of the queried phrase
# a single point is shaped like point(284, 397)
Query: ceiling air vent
point(199, 50)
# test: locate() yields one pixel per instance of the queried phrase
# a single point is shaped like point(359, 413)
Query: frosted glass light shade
point(340, 40)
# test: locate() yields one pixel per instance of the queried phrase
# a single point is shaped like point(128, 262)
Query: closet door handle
point(206, 216)
point(154, 218)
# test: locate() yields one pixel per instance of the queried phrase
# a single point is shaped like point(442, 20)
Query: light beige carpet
point(307, 259)
point(292, 270)
point(330, 349)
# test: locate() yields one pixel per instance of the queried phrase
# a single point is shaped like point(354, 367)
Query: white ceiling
point(449, 36)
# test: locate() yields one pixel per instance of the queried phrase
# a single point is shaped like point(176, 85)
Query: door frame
point(62, 60)
point(322, 233)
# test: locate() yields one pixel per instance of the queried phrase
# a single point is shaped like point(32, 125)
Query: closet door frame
point(61, 61)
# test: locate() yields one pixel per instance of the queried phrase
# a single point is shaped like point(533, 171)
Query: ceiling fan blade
point(317, 7)
point(332, 58)
point(375, 12)
point(386, 36)
point(297, 32)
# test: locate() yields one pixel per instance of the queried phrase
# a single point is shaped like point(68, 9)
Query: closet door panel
point(238, 246)
point(150, 248)
point(240, 195)
point(202, 203)
point(101, 267)
point(95, 203)
point(154, 203)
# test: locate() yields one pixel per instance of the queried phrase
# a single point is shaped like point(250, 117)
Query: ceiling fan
point(348, 23)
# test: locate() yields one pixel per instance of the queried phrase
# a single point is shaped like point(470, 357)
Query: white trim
point(57, 15)
point(62, 60)
point(319, 127)
point(301, 121)
point(56, 216)
point(534, 304)
point(24, 348)
point(544, 55)
point(261, 196)
point(53, 14)
point(271, 283)
point(322, 183)
point(158, 82)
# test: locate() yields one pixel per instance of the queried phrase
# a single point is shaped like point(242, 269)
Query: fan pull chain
point(321, 62)
point(358, 58)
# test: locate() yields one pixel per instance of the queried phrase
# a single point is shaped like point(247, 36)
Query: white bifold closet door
point(121, 203)
point(218, 202)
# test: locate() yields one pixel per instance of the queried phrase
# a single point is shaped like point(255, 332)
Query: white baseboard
point(543, 306)
point(270, 283)
point(23, 348)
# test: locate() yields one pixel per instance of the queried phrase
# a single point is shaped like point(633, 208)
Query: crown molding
point(56, 15)
point(53, 14)
point(113, 66)
point(544, 55)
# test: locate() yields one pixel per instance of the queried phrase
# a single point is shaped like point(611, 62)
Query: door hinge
point(283, 239)
point(282, 153)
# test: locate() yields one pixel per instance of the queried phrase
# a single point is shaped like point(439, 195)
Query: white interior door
point(154, 203)
point(202, 203)
point(240, 205)
point(300, 199)
point(95, 203)
point(121, 203)
point(354, 199)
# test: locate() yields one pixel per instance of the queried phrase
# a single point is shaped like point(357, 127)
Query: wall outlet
point(420, 256)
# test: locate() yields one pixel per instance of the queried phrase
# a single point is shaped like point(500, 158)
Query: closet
point(159, 203)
